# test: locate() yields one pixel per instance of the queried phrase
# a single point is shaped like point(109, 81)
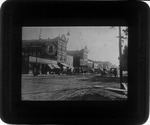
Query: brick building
point(44, 54)
point(80, 59)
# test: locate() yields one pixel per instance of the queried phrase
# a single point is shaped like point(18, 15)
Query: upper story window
point(50, 48)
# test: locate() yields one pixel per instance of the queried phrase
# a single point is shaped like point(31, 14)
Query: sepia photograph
point(74, 63)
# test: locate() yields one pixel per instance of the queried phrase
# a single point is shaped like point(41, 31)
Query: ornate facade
point(44, 54)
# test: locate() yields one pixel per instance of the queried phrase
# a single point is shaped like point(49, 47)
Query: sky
point(102, 42)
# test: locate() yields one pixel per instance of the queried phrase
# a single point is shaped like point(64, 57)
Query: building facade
point(80, 59)
point(70, 61)
point(44, 55)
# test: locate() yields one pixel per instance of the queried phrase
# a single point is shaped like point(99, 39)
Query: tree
point(125, 50)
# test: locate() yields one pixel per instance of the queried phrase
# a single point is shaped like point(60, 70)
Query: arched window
point(51, 49)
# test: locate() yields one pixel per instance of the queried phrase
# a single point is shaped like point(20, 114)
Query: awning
point(56, 66)
point(71, 67)
point(40, 60)
point(64, 64)
point(50, 65)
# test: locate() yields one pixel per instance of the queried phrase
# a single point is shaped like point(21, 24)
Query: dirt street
point(69, 87)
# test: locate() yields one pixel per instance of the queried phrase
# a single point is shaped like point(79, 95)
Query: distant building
point(90, 63)
point(95, 65)
point(80, 58)
point(104, 65)
point(99, 64)
point(70, 61)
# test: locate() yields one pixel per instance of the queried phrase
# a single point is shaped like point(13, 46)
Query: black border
point(14, 15)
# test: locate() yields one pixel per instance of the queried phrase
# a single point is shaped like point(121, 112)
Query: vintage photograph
point(74, 63)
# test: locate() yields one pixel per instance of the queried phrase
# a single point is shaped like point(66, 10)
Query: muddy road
point(69, 87)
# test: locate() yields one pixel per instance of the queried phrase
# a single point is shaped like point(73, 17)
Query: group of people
point(36, 70)
point(72, 71)
point(112, 72)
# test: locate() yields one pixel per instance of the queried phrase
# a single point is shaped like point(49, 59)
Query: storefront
point(45, 55)
point(43, 66)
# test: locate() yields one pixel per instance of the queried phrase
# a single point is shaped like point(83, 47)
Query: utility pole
point(120, 58)
point(37, 46)
point(68, 34)
point(40, 34)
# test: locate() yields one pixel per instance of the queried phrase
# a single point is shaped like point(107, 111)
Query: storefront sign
point(41, 60)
